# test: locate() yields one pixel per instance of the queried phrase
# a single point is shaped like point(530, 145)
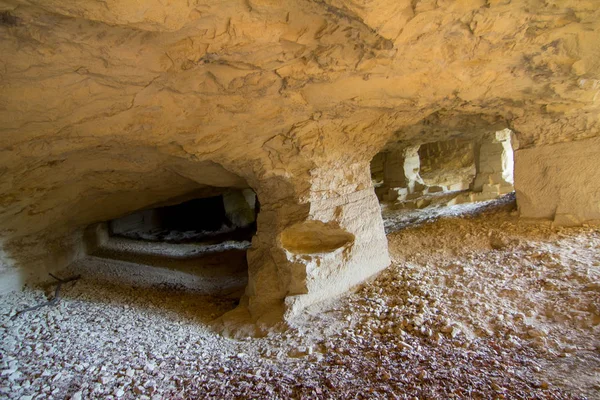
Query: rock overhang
point(107, 109)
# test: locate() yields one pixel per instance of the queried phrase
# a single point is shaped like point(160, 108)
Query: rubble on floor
point(478, 306)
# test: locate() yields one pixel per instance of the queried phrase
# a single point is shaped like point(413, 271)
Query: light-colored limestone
point(239, 206)
point(449, 163)
point(560, 182)
point(314, 237)
point(108, 108)
point(321, 242)
point(142, 220)
point(494, 163)
point(401, 173)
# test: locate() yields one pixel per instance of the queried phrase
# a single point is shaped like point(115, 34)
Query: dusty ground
point(479, 306)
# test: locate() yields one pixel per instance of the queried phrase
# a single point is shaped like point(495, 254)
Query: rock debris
point(454, 316)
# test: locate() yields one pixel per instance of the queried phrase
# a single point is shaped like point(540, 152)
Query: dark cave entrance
point(230, 216)
point(197, 242)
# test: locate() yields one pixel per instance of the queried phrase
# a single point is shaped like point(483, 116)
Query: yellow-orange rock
point(109, 107)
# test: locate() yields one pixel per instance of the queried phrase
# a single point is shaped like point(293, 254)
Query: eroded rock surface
point(111, 107)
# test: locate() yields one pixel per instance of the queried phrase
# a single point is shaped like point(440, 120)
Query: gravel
point(463, 312)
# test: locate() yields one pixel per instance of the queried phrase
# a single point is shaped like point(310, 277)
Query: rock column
point(494, 165)
point(239, 207)
point(317, 237)
point(401, 173)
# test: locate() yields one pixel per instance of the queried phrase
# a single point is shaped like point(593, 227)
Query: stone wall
point(318, 237)
point(494, 161)
point(111, 107)
point(31, 259)
point(240, 207)
point(560, 182)
point(377, 167)
point(448, 163)
point(144, 220)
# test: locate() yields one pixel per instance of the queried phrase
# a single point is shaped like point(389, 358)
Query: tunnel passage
point(420, 181)
point(197, 242)
point(214, 219)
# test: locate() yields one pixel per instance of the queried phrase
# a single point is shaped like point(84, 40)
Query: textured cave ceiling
point(107, 107)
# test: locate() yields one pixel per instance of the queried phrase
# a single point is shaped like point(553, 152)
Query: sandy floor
point(480, 306)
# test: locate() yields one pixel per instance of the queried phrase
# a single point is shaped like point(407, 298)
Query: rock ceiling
point(107, 107)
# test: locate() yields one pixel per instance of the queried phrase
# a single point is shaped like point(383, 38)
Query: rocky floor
point(397, 216)
point(206, 238)
point(220, 269)
point(475, 306)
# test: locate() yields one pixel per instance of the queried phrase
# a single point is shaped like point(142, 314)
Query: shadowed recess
point(313, 237)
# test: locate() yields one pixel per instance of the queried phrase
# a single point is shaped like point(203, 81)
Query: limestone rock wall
point(108, 108)
point(377, 166)
point(402, 169)
point(448, 163)
point(342, 197)
point(494, 161)
point(560, 182)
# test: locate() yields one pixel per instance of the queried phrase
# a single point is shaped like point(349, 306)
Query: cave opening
point(230, 216)
point(417, 182)
point(195, 243)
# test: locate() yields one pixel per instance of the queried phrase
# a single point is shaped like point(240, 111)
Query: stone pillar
point(560, 182)
point(271, 276)
point(377, 167)
point(349, 244)
point(318, 235)
point(401, 171)
point(494, 164)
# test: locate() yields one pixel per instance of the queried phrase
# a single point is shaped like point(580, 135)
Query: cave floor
point(481, 305)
